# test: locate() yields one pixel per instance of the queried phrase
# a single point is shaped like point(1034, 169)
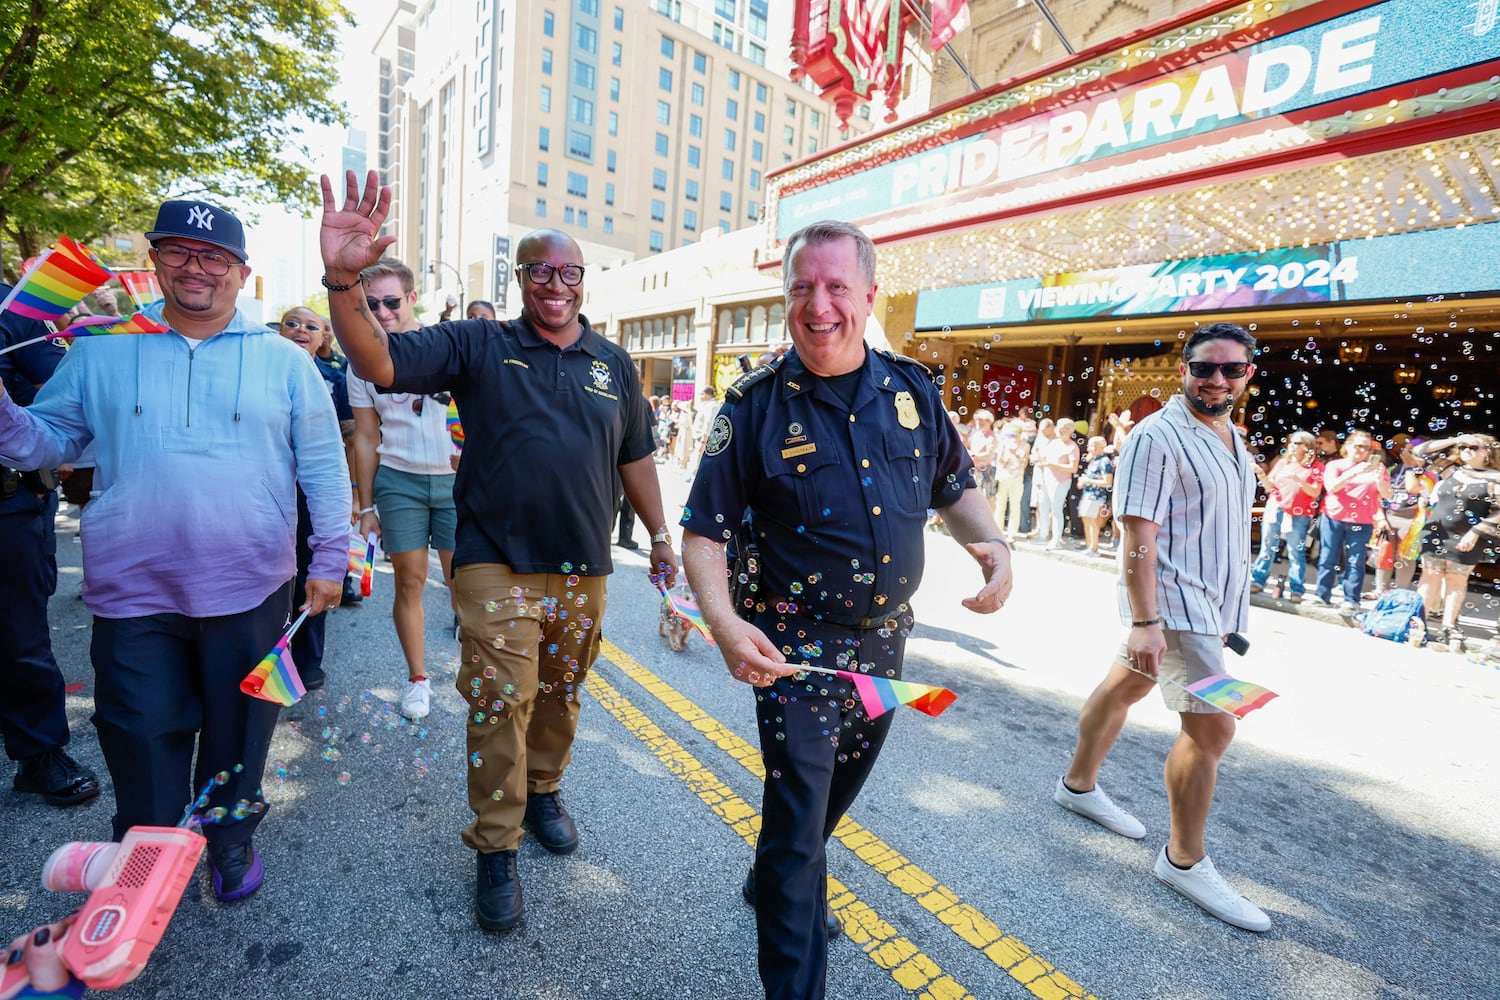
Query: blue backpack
point(1392, 615)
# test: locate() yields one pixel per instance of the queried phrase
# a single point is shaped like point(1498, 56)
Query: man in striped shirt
point(1183, 490)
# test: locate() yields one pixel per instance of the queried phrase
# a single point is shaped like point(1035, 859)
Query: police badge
point(718, 436)
point(906, 411)
point(599, 372)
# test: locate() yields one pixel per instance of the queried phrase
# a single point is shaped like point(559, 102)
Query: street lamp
point(432, 269)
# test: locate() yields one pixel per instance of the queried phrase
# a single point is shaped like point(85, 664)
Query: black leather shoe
point(237, 870)
point(548, 821)
point(57, 778)
point(351, 596)
point(831, 923)
point(628, 543)
point(498, 905)
point(313, 678)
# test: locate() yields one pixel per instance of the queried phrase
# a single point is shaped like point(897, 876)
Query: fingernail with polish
point(14, 958)
point(42, 936)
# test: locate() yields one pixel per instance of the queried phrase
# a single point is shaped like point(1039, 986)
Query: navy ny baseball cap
point(198, 220)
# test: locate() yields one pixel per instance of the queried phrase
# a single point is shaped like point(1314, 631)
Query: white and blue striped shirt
point(1176, 472)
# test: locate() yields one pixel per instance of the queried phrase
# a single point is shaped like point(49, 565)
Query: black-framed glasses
point(441, 398)
point(540, 272)
point(392, 303)
point(213, 262)
point(1206, 369)
point(298, 324)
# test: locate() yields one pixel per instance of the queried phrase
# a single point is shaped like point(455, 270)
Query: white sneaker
point(1203, 884)
point(416, 699)
point(1100, 808)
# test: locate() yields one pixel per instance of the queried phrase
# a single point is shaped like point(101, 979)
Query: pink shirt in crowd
point(1060, 452)
point(1359, 499)
point(1286, 480)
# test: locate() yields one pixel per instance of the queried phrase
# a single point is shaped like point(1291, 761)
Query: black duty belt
point(788, 606)
point(13, 481)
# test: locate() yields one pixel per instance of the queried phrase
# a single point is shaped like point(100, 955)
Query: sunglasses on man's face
point(299, 324)
point(1206, 369)
point(392, 303)
point(441, 398)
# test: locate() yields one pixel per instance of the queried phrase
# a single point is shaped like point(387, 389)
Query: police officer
point(831, 457)
point(32, 718)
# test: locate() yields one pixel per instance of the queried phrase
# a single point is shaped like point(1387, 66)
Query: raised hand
point(349, 237)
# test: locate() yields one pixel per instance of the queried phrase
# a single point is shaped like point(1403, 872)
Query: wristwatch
point(662, 536)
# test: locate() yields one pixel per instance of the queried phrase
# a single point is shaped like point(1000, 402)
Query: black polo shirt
point(838, 492)
point(545, 430)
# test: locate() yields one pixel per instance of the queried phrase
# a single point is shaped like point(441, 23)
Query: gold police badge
point(906, 411)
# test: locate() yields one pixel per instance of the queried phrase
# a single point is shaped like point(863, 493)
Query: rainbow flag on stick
point(58, 281)
point(687, 609)
point(362, 562)
point(1238, 698)
point(99, 326)
point(881, 694)
point(141, 285)
point(455, 426)
point(275, 677)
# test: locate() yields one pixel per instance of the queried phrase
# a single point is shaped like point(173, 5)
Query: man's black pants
point(32, 715)
point(308, 643)
point(167, 682)
point(818, 746)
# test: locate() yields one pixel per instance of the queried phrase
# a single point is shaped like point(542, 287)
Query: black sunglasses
point(297, 324)
point(441, 398)
point(1206, 369)
point(392, 303)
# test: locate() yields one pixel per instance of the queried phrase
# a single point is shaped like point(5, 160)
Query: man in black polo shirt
point(553, 413)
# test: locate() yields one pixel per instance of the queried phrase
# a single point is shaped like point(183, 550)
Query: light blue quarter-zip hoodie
point(200, 451)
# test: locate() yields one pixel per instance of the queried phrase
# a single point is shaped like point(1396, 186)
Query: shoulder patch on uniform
point(751, 377)
point(718, 435)
point(903, 359)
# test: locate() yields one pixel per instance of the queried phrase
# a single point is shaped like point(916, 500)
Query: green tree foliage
point(110, 105)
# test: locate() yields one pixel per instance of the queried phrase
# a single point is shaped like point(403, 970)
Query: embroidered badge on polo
point(599, 371)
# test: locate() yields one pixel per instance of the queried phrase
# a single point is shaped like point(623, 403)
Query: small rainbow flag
point(362, 562)
point(455, 426)
point(1238, 698)
point(61, 277)
point(141, 285)
point(100, 326)
point(881, 694)
point(275, 677)
point(686, 608)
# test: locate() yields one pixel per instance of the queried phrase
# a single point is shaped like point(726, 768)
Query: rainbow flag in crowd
point(58, 281)
point(686, 608)
point(455, 426)
point(99, 326)
point(1238, 698)
point(275, 677)
point(362, 562)
point(881, 694)
point(141, 285)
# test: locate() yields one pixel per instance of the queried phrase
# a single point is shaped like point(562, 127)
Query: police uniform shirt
point(1175, 471)
point(839, 493)
point(24, 371)
point(545, 430)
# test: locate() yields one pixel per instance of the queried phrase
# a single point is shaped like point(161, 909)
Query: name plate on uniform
point(801, 449)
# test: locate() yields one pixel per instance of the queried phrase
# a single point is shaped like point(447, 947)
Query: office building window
point(541, 175)
point(614, 123)
point(616, 53)
point(814, 119)
point(581, 111)
point(812, 145)
point(695, 126)
point(609, 194)
point(690, 220)
point(759, 12)
point(696, 95)
point(544, 138)
point(664, 80)
point(760, 93)
point(580, 145)
point(700, 62)
point(726, 201)
point(614, 88)
point(547, 26)
point(727, 170)
point(585, 39)
point(568, 214)
point(547, 61)
point(729, 139)
point(658, 210)
point(589, 7)
point(724, 36)
point(609, 223)
point(619, 19)
point(583, 218)
point(609, 161)
point(659, 179)
point(668, 47)
point(578, 185)
point(584, 75)
point(661, 144)
point(791, 108)
point(541, 208)
point(752, 211)
point(545, 98)
point(732, 110)
point(695, 156)
point(757, 150)
point(758, 121)
point(690, 190)
point(663, 113)
point(723, 225)
point(787, 134)
point(655, 241)
point(734, 80)
point(725, 9)
point(755, 180)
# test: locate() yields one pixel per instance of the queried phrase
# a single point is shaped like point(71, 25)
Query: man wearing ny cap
point(202, 436)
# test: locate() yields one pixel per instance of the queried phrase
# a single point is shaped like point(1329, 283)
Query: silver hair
point(824, 232)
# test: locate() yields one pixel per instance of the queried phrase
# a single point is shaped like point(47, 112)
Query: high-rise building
point(633, 125)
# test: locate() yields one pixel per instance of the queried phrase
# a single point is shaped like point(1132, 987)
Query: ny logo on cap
point(200, 216)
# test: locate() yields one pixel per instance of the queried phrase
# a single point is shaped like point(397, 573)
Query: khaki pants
point(528, 641)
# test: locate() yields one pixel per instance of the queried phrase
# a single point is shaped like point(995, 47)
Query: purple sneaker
point(237, 869)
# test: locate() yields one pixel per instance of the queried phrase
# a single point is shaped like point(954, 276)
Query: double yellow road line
point(911, 969)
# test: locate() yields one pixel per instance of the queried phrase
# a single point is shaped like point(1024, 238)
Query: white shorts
point(1189, 657)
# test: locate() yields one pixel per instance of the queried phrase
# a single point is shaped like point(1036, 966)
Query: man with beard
point(1183, 491)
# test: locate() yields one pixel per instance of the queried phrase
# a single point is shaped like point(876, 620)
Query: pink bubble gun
point(134, 888)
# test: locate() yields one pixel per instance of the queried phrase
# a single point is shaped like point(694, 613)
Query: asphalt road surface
point(1358, 809)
